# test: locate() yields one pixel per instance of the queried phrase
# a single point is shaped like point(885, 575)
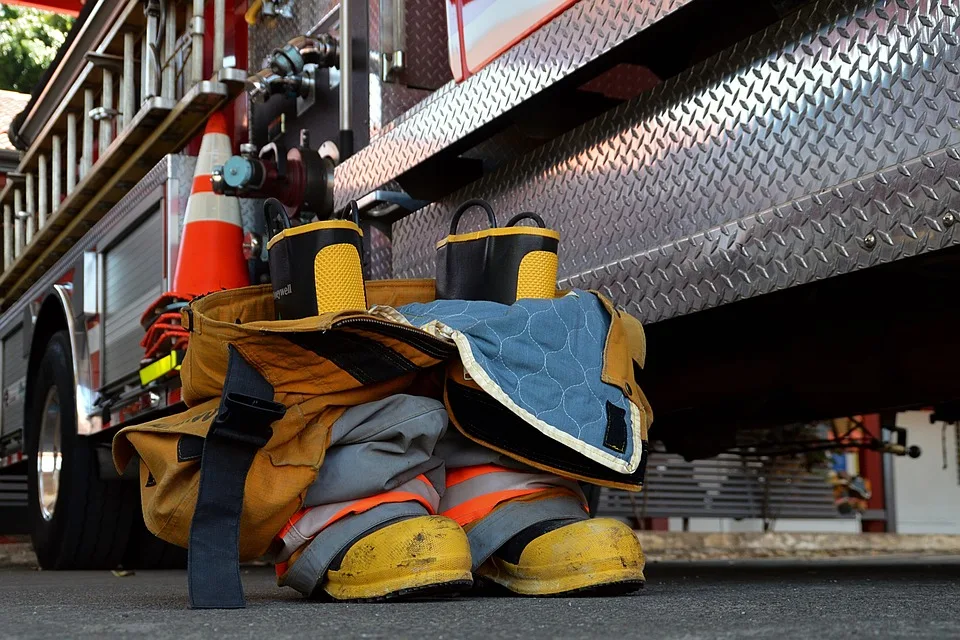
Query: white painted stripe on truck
point(12, 459)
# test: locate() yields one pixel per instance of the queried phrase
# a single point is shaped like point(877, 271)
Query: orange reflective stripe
point(374, 501)
point(462, 474)
point(473, 492)
point(478, 507)
point(307, 523)
point(202, 184)
point(384, 498)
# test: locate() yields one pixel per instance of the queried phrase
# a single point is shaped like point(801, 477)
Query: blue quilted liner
point(546, 356)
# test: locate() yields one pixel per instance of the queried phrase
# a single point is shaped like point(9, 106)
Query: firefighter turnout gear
point(380, 471)
point(390, 452)
point(317, 368)
point(529, 531)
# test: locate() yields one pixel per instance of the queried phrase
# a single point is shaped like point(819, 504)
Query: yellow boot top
point(600, 554)
point(426, 554)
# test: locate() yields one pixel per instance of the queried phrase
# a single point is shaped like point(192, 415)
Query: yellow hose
point(252, 16)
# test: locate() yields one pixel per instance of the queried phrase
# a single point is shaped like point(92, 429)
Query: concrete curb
point(17, 554)
point(695, 546)
point(707, 546)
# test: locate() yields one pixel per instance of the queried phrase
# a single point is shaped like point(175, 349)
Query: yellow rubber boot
point(601, 556)
point(420, 556)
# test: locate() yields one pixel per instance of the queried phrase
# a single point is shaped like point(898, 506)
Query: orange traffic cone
point(211, 254)
point(210, 257)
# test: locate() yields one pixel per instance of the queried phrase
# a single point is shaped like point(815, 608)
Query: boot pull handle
point(476, 202)
point(527, 215)
point(276, 217)
point(351, 212)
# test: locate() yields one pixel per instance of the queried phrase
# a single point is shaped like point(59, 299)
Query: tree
point(29, 39)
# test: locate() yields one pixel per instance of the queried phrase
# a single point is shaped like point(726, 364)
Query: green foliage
point(29, 39)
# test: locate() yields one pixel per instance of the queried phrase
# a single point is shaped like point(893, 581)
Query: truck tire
point(147, 551)
point(78, 520)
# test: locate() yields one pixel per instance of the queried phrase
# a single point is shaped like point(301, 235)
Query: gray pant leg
point(376, 447)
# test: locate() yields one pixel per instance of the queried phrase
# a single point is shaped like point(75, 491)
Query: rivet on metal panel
point(949, 219)
point(869, 241)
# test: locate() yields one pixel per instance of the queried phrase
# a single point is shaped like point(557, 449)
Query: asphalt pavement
point(916, 597)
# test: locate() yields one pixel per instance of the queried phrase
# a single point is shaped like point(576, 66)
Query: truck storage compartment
point(132, 279)
point(14, 381)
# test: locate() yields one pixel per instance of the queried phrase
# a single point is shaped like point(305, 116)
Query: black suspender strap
point(242, 427)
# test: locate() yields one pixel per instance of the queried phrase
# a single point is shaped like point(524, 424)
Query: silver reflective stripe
point(317, 518)
point(497, 481)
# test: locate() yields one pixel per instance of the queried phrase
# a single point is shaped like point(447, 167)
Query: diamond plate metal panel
point(272, 33)
point(269, 34)
point(428, 64)
point(426, 59)
point(182, 173)
point(574, 38)
point(826, 144)
point(378, 264)
point(388, 101)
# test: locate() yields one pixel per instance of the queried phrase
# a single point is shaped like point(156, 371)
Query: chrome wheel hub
point(49, 456)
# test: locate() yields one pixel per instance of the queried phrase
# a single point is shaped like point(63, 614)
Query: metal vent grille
point(724, 487)
point(13, 491)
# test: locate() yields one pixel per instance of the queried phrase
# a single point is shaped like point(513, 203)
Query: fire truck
point(771, 186)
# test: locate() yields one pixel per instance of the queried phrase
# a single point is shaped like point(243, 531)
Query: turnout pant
point(398, 458)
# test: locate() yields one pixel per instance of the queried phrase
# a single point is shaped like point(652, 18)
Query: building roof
point(11, 103)
point(66, 7)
